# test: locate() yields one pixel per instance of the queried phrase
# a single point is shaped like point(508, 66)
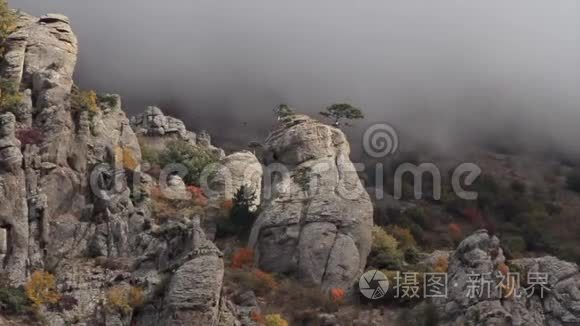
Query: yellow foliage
point(441, 264)
point(7, 23)
point(117, 299)
point(275, 320)
point(124, 298)
point(126, 158)
point(41, 288)
point(384, 242)
point(85, 100)
point(136, 297)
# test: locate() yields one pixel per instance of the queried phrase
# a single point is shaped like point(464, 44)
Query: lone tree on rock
point(283, 111)
point(342, 111)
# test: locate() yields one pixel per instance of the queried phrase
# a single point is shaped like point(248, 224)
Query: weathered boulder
point(234, 171)
point(561, 304)
point(317, 218)
point(160, 128)
point(194, 292)
point(156, 130)
point(10, 154)
point(41, 55)
point(479, 261)
point(197, 270)
point(479, 254)
point(14, 208)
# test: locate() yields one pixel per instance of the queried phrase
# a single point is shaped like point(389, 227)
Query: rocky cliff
point(316, 218)
point(76, 203)
point(68, 197)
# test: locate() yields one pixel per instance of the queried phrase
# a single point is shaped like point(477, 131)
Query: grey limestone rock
point(316, 218)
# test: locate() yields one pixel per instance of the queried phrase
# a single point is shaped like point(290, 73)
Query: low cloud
point(441, 71)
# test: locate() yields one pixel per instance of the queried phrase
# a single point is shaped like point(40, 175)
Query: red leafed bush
point(257, 317)
point(337, 295)
point(455, 232)
point(504, 269)
point(199, 197)
point(243, 257)
point(30, 136)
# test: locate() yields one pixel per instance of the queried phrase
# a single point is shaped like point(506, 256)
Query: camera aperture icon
point(373, 284)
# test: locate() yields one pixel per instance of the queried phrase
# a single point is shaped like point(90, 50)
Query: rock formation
point(481, 254)
point(14, 207)
point(234, 171)
point(316, 217)
point(158, 129)
point(153, 122)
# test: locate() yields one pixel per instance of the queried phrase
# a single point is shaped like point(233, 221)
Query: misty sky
point(442, 70)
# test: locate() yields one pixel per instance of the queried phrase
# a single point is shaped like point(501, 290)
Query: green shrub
point(13, 300)
point(283, 111)
point(385, 253)
point(10, 97)
point(573, 182)
point(242, 214)
point(84, 101)
point(7, 24)
point(194, 158)
point(412, 255)
point(518, 187)
point(149, 154)
point(417, 215)
point(404, 236)
point(384, 242)
point(488, 190)
point(417, 233)
point(515, 245)
point(108, 99)
point(553, 208)
point(533, 230)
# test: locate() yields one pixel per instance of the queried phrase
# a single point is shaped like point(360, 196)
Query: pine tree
point(242, 214)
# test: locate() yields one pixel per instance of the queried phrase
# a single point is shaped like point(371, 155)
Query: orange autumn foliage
point(199, 197)
point(337, 295)
point(441, 265)
point(267, 279)
point(257, 317)
point(510, 283)
point(41, 289)
point(126, 158)
point(503, 269)
point(243, 257)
